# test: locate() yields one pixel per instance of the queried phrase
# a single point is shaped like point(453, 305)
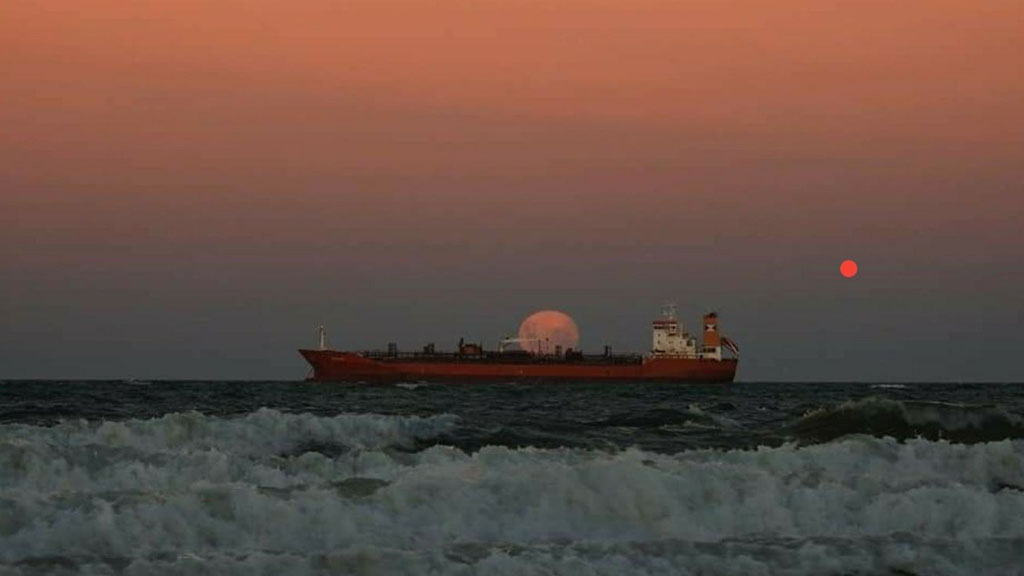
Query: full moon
point(542, 331)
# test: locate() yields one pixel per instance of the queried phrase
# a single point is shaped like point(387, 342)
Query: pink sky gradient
point(448, 155)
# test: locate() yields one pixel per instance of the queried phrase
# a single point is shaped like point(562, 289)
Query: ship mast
point(322, 334)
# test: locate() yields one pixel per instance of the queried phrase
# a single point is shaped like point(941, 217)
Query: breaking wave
point(87, 455)
point(909, 419)
point(190, 493)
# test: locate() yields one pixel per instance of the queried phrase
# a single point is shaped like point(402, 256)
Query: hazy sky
point(188, 188)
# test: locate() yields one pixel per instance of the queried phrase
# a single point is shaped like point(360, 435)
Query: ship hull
point(330, 365)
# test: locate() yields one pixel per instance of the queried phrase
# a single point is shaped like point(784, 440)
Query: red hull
point(348, 366)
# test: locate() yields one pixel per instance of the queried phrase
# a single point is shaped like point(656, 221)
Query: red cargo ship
point(675, 356)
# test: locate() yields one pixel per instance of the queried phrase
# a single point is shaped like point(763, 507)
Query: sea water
point(412, 478)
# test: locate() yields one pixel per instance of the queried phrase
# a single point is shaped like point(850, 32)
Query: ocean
point(138, 477)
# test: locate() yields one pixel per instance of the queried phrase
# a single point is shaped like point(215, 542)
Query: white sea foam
point(264, 447)
point(187, 493)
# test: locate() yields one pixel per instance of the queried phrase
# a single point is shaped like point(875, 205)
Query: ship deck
point(502, 358)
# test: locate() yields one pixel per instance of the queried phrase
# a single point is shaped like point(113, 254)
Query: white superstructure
point(669, 339)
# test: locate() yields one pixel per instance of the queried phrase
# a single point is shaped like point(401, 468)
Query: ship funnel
point(712, 338)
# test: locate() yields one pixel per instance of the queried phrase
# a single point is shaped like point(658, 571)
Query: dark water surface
point(659, 417)
point(302, 478)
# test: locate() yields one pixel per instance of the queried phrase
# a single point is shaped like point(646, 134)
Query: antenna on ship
point(322, 333)
point(668, 310)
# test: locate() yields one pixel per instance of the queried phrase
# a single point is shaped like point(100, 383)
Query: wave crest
point(909, 419)
point(253, 447)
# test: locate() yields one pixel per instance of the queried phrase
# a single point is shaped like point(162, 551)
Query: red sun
point(542, 331)
point(848, 268)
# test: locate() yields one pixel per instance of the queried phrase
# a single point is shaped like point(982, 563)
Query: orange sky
point(408, 87)
point(694, 63)
point(764, 134)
